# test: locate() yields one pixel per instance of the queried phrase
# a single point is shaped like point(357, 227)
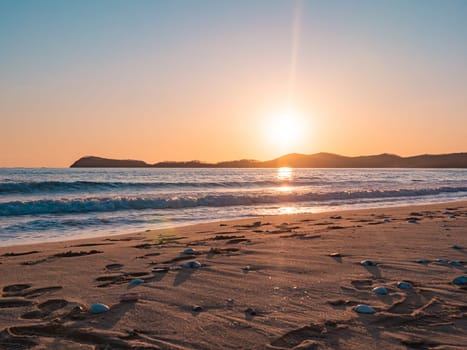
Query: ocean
point(38, 205)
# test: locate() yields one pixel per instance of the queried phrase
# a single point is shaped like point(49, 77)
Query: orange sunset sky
point(224, 80)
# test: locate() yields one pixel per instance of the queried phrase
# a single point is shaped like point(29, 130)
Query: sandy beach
point(262, 283)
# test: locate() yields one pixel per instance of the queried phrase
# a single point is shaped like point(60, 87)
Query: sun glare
point(285, 130)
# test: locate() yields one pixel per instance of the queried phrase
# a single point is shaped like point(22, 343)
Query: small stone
point(192, 264)
point(443, 261)
point(412, 221)
point(335, 255)
point(422, 261)
point(455, 246)
point(404, 285)
point(250, 311)
point(98, 308)
point(197, 308)
point(455, 263)
point(380, 290)
point(136, 282)
point(246, 268)
point(368, 263)
point(189, 251)
point(460, 280)
point(364, 309)
point(129, 297)
point(160, 269)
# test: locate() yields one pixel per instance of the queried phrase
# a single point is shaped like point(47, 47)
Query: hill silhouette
point(295, 160)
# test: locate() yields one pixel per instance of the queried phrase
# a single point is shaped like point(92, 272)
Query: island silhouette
point(294, 160)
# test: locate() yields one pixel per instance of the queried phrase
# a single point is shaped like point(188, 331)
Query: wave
point(91, 186)
point(110, 204)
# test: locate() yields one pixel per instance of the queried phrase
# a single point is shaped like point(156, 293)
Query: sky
point(223, 80)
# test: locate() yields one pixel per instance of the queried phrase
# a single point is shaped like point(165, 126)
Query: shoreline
point(85, 237)
point(264, 283)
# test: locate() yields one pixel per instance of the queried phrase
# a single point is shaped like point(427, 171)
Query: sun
point(285, 129)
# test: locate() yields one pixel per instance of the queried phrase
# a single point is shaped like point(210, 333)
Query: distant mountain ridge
point(295, 160)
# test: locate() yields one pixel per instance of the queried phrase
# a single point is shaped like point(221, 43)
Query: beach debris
point(160, 269)
point(455, 246)
point(246, 268)
point(380, 290)
point(251, 312)
point(455, 263)
point(460, 280)
point(197, 308)
point(129, 297)
point(136, 282)
point(368, 263)
point(189, 251)
point(364, 309)
point(192, 264)
point(335, 255)
point(422, 261)
point(77, 313)
point(404, 285)
point(98, 308)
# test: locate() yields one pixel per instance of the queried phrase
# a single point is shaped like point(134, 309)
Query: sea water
point(59, 204)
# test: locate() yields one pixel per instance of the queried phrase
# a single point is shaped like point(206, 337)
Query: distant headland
point(295, 160)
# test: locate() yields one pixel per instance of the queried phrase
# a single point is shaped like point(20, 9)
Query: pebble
point(335, 255)
point(136, 282)
point(380, 290)
point(189, 251)
point(160, 269)
point(404, 285)
point(250, 311)
point(128, 297)
point(98, 308)
point(455, 263)
point(460, 280)
point(422, 261)
point(368, 263)
point(443, 261)
point(246, 268)
point(192, 264)
point(386, 221)
point(364, 309)
point(412, 221)
point(197, 308)
point(455, 246)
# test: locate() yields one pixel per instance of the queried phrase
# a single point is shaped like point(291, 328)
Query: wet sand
point(279, 282)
